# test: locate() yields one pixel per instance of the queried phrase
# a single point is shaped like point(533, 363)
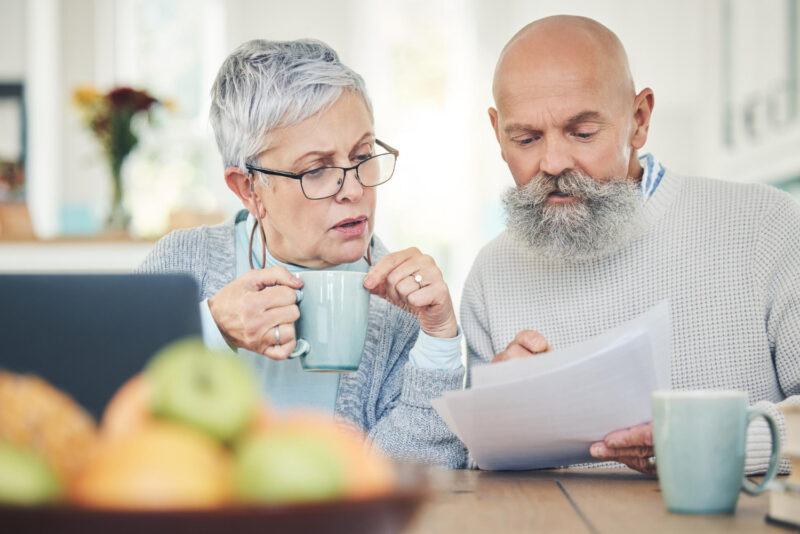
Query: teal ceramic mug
point(332, 328)
point(700, 439)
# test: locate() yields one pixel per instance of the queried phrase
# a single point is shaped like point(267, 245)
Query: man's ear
point(642, 109)
point(496, 126)
point(242, 185)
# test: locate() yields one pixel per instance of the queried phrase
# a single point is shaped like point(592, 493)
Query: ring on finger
point(277, 335)
point(651, 461)
point(418, 279)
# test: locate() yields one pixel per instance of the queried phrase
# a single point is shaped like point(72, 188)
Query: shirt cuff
point(443, 354)
point(212, 337)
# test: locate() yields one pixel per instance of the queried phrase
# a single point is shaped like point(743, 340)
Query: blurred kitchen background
point(725, 75)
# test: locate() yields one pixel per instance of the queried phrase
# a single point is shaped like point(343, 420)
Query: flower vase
point(118, 219)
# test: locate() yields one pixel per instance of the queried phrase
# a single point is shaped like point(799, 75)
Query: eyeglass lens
point(327, 181)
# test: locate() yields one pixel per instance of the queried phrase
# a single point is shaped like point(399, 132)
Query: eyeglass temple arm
point(387, 147)
point(252, 168)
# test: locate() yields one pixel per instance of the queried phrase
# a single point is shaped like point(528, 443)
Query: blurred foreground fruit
point(282, 467)
point(161, 465)
point(307, 457)
point(213, 391)
point(129, 408)
point(37, 416)
point(368, 472)
point(26, 478)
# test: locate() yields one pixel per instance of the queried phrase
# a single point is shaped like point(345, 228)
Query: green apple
point(26, 478)
point(287, 466)
point(212, 391)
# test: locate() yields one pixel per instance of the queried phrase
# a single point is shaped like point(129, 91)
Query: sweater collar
point(652, 174)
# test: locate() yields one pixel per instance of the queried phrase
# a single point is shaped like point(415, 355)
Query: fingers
point(532, 341)
point(279, 316)
point(258, 279)
point(526, 343)
point(512, 352)
point(273, 297)
point(419, 294)
point(259, 312)
point(280, 352)
point(267, 343)
point(380, 271)
point(631, 437)
point(602, 452)
point(636, 457)
point(640, 464)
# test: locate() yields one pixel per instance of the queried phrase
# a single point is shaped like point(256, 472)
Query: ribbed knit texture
point(387, 396)
point(727, 256)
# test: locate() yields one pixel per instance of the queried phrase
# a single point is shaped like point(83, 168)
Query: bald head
point(569, 46)
point(564, 101)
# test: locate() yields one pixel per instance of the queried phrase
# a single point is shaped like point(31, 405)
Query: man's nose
point(351, 188)
point(557, 157)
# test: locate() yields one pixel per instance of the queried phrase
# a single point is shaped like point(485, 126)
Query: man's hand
point(526, 343)
point(632, 447)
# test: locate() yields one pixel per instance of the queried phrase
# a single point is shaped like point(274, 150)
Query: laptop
point(89, 333)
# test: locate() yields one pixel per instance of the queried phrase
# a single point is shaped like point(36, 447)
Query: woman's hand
point(411, 280)
point(248, 309)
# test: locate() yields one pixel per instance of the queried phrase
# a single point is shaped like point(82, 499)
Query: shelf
point(73, 255)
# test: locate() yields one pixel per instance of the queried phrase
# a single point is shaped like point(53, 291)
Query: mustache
point(571, 182)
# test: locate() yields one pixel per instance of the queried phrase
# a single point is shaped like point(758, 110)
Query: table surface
point(575, 500)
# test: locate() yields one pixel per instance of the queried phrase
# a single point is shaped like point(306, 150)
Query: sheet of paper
point(656, 320)
point(534, 415)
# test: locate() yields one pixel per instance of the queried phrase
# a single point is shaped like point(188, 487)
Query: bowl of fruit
point(187, 445)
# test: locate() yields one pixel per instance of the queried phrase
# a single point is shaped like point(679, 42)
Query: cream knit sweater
point(727, 256)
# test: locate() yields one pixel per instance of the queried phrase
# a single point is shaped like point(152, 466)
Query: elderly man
point(597, 234)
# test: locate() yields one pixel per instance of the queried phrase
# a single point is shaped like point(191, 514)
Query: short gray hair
point(265, 85)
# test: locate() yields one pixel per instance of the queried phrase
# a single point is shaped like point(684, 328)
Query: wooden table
point(590, 500)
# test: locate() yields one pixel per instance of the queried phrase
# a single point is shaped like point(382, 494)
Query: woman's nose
point(352, 189)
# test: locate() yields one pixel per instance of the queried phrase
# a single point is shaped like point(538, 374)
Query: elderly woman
point(295, 129)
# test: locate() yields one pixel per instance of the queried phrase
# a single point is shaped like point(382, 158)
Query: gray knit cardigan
point(387, 397)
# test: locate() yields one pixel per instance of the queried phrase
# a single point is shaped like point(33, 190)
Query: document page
point(545, 411)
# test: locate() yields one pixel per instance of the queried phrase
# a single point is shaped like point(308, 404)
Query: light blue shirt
point(283, 381)
point(651, 177)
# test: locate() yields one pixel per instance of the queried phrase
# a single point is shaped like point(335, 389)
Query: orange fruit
point(160, 465)
point(128, 409)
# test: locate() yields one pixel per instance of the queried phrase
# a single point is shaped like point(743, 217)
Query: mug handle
point(302, 347)
point(775, 456)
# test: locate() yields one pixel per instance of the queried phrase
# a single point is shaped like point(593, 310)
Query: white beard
point(586, 228)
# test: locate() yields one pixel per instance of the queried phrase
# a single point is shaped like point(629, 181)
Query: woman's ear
point(243, 186)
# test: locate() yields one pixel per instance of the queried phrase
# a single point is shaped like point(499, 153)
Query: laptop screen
point(88, 334)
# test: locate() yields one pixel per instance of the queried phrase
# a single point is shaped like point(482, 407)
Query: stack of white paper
point(545, 411)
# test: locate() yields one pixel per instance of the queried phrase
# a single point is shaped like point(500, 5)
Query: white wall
point(85, 180)
point(450, 209)
point(12, 39)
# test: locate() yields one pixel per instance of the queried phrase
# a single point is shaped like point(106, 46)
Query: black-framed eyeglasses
point(326, 182)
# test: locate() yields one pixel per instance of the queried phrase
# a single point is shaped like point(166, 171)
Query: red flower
point(130, 99)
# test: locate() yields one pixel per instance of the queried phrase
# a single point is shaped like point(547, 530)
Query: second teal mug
point(332, 328)
point(700, 439)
